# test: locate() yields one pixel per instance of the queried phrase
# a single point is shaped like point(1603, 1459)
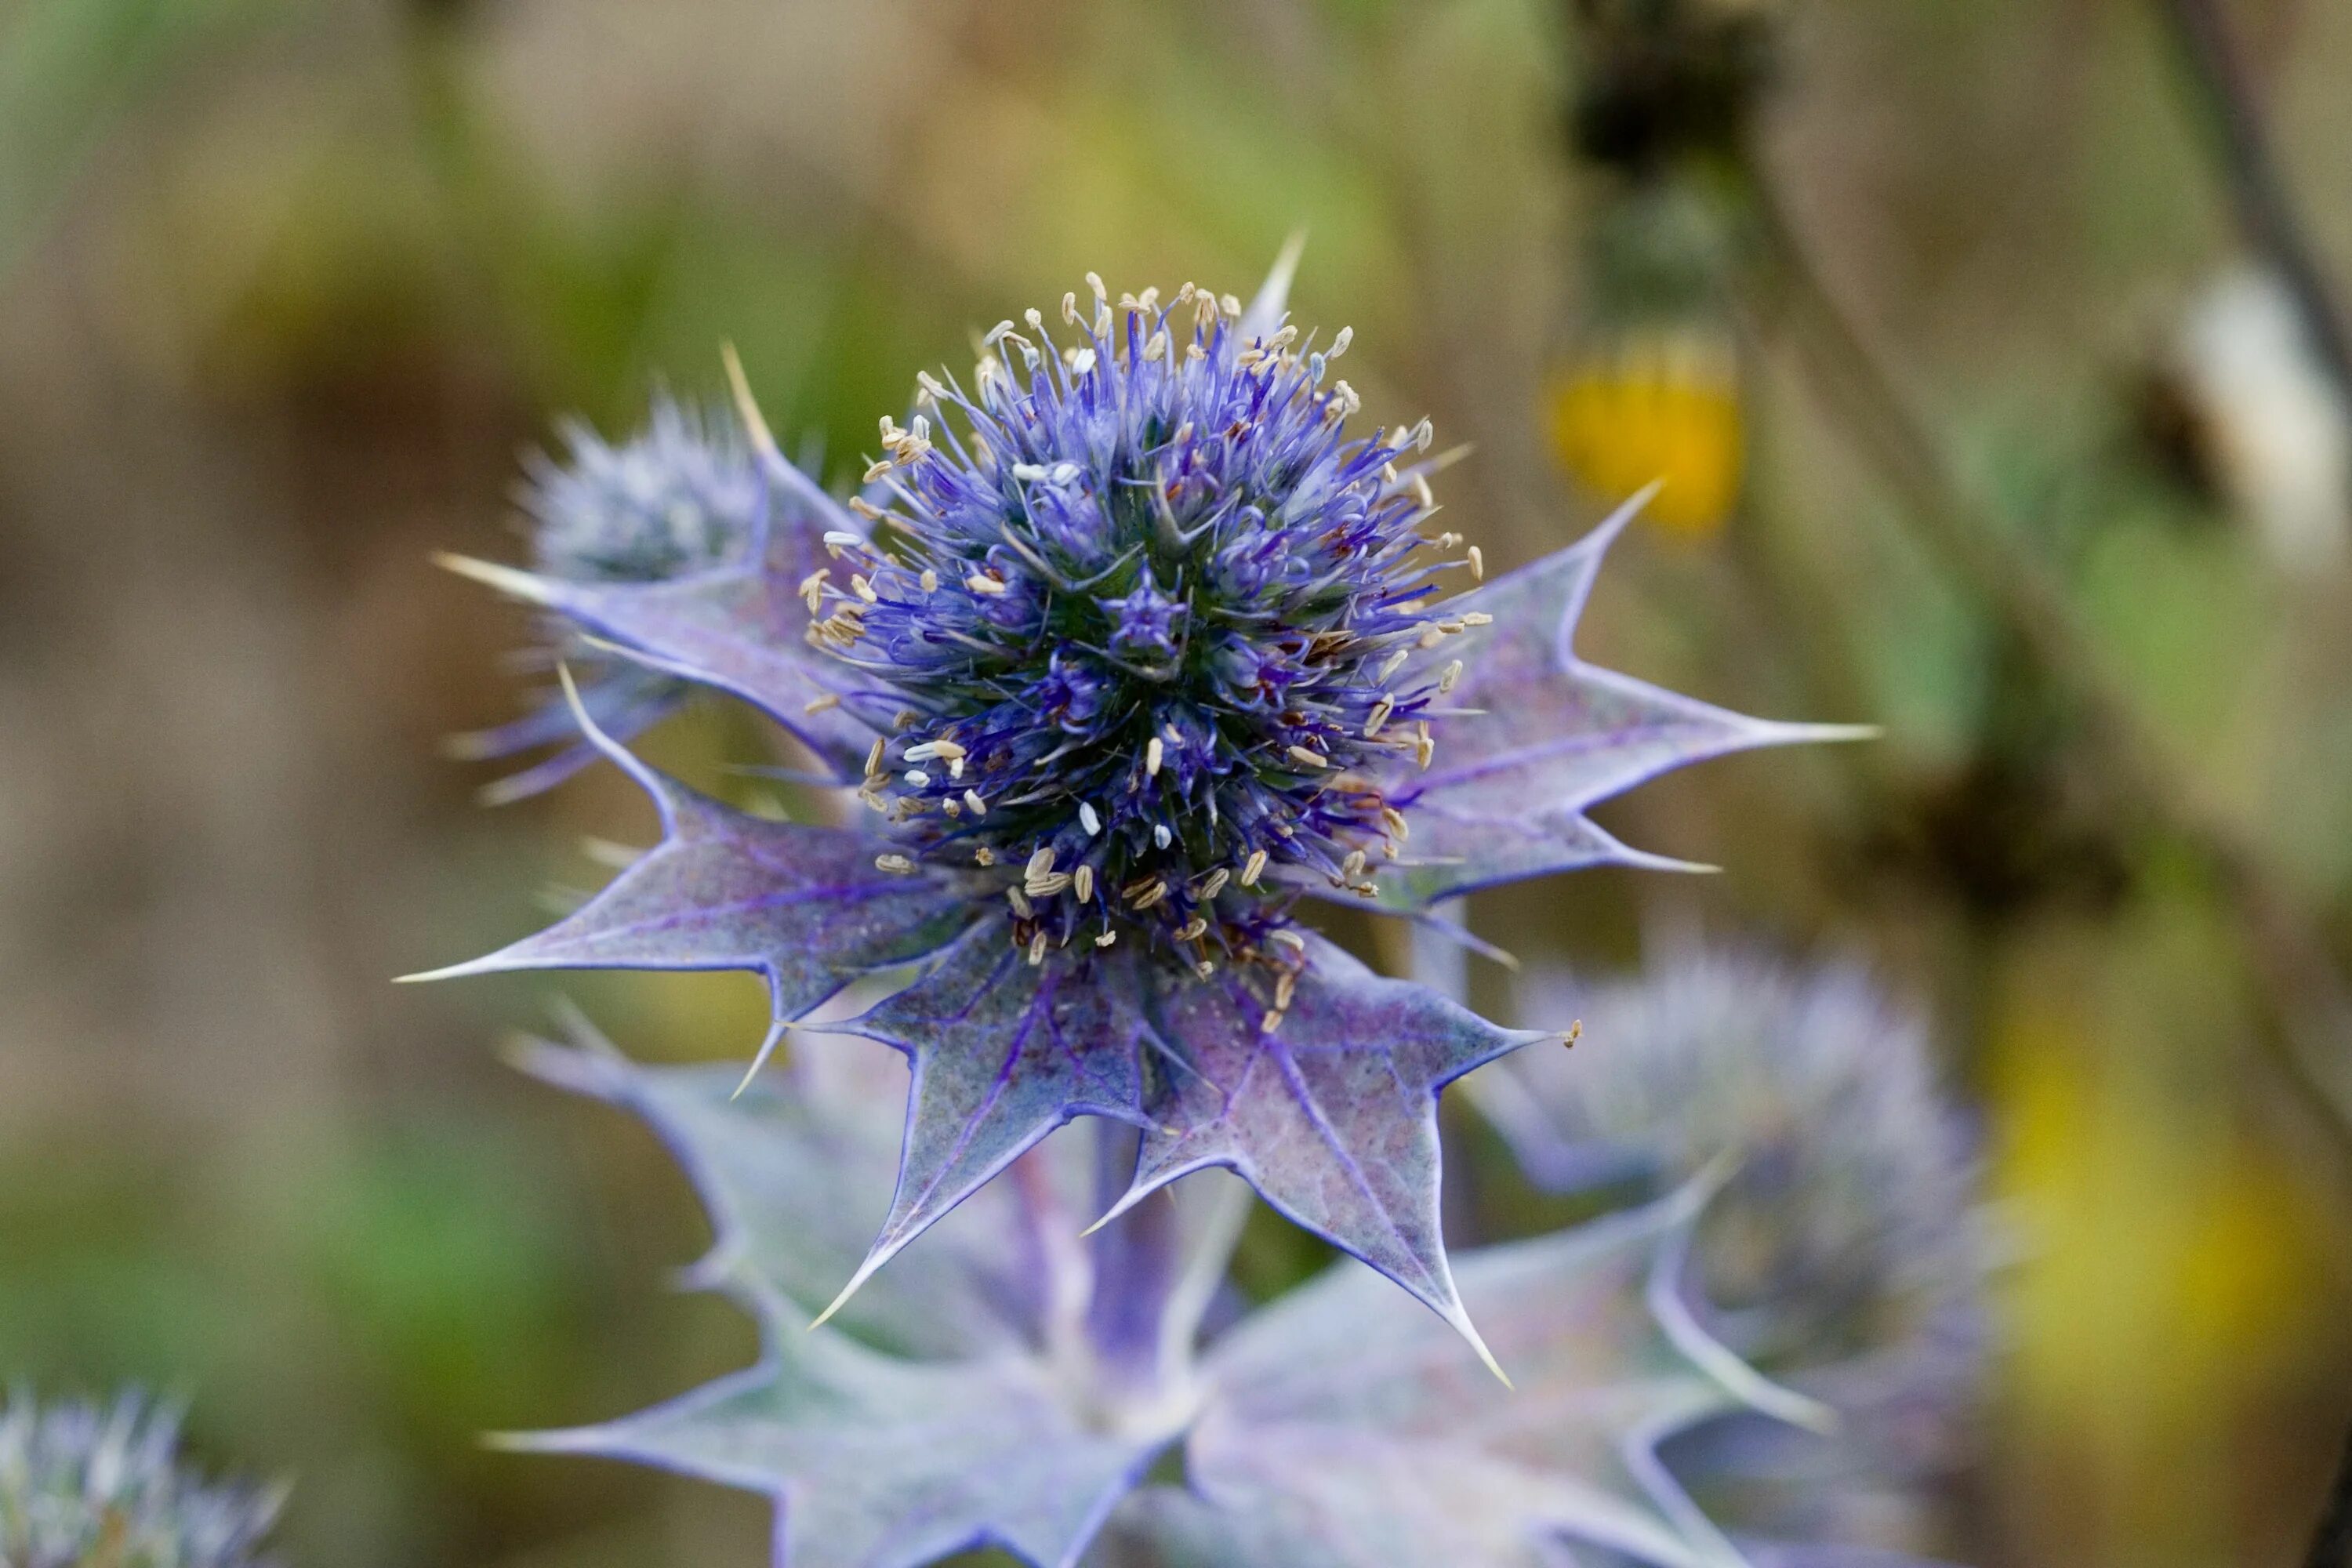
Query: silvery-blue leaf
point(795, 1173)
point(879, 1462)
point(1342, 1429)
point(958, 1413)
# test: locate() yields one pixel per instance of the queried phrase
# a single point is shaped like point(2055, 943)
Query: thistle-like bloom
point(682, 496)
point(1844, 1254)
point(82, 1486)
point(1130, 648)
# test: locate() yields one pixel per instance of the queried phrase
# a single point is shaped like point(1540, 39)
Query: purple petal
point(803, 905)
point(1004, 1051)
point(1551, 736)
point(1332, 1116)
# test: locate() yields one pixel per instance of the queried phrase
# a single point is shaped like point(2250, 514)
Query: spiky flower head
point(682, 494)
point(1132, 648)
point(1149, 608)
point(1849, 1219)
point(83, 1485)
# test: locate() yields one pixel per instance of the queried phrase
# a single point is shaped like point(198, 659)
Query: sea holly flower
point(1009, 1384)
point(83, 1485)
point(683, 496)
point(1846, 1255)
point(1129, 648)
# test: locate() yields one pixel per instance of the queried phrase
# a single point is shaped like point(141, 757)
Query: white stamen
point(1253, 867)
point(1477, 565)
point(979, 807)
point(896, 864)
point(1084, 882)
point(917, 778)
point(1089, 818)
point(1153, 755)
point(1159, 835)
point(981, 584)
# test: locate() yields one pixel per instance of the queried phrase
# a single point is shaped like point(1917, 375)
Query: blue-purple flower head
point(1133, 648)
point(1152, 611)
point(84, 1485)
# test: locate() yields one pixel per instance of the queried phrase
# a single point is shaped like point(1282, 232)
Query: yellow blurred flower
point(1659, 405)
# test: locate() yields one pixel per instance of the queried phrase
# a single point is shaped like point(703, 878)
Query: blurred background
point(1984, 420)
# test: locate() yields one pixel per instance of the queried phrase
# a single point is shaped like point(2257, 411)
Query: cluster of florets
point(81, 1486)
point(1848, 1219)
point(682, 494)
point(1147, 606)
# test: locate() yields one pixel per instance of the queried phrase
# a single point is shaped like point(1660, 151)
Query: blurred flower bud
point(85, 1487)
point(681, 495)
point(2243, 411)
point(1655, 405)
point(684, 495)
point(1844, 1255)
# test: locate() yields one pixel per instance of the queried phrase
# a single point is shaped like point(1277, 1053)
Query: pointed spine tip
point(1485, 1355)
point(874, 1260)
point(747, 407)
point(776, 1030)
point(472, 966)
point(507, 580)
